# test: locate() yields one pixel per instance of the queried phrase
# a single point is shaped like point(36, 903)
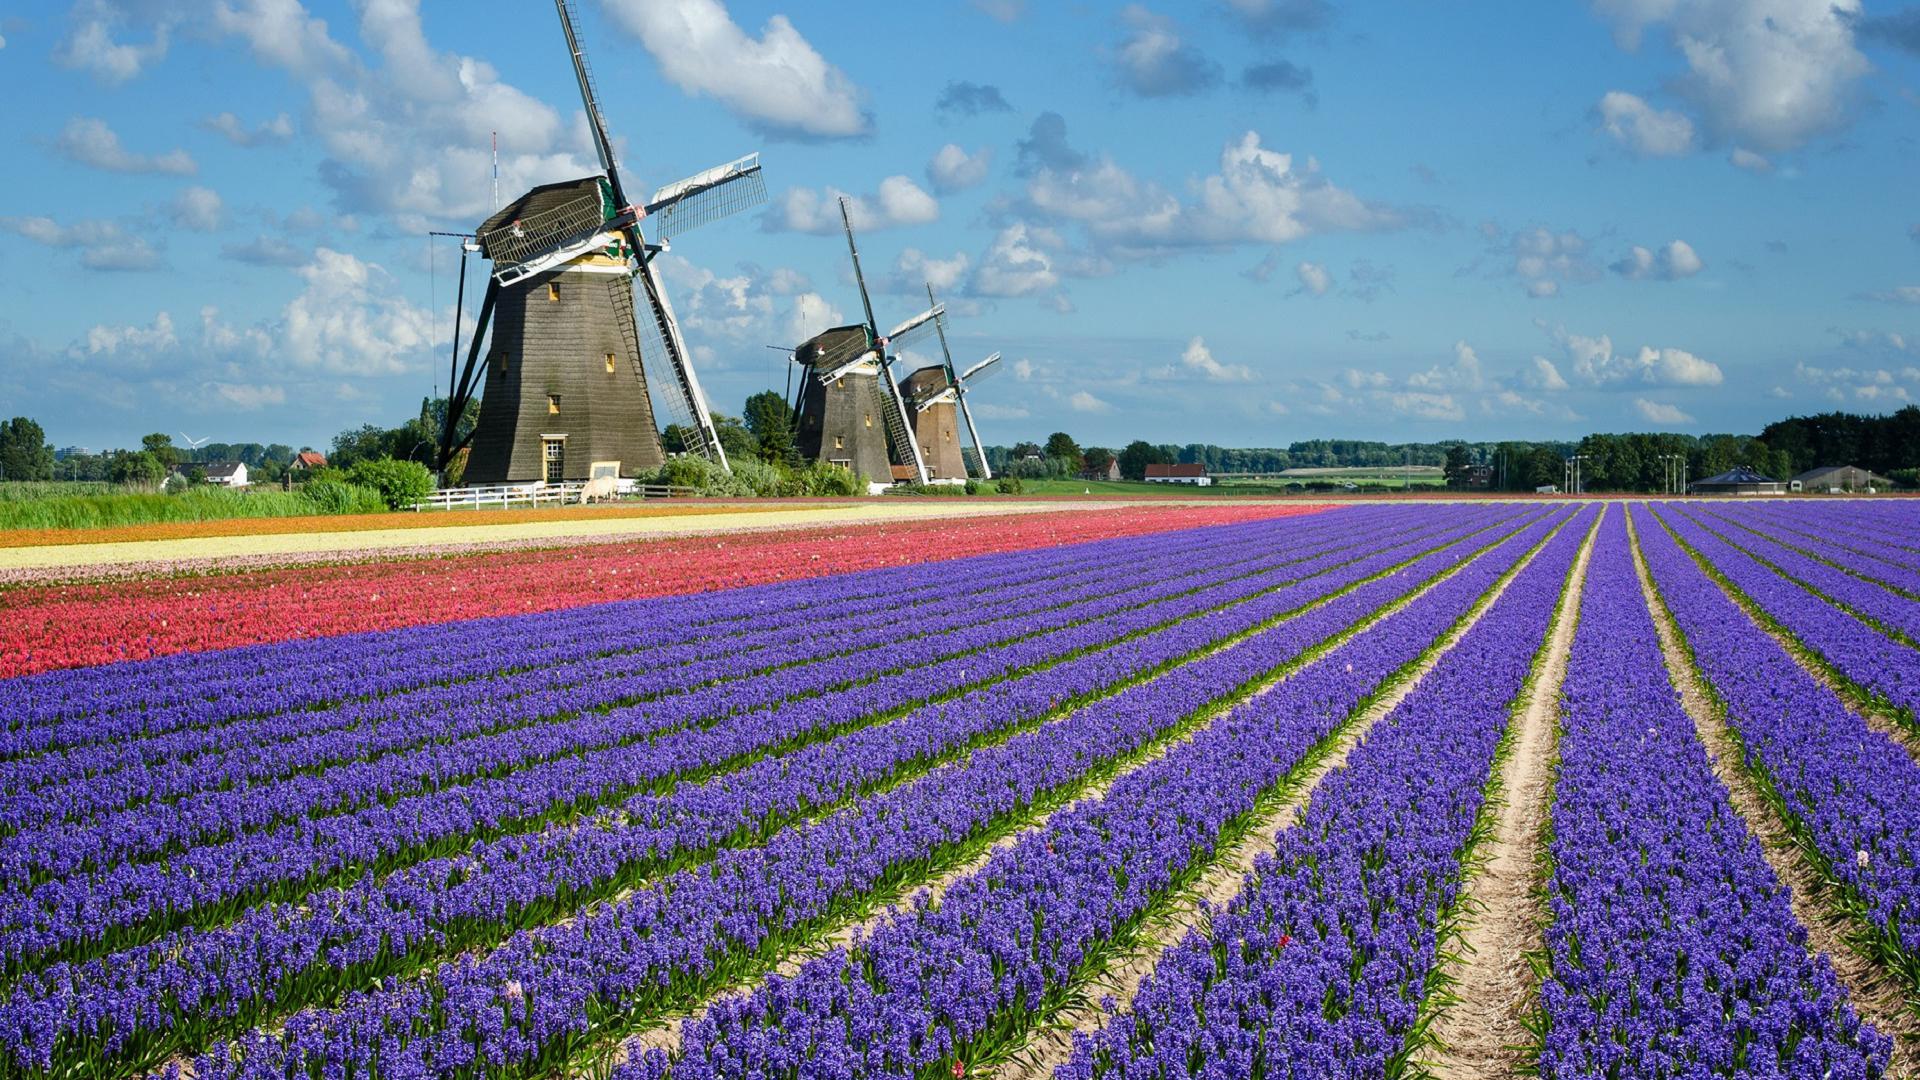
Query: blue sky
point(1242, 221)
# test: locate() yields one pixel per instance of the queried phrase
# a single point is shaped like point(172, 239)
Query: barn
point(1739, 480)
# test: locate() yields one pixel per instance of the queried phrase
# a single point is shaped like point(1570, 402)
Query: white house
point(226, 473)
point(1179, 474)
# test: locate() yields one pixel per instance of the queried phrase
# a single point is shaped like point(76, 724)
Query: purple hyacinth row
point(1672, 949)
point(1862, 654)
point(516, 722)
point(1006, 944)
point(669, 630)
point(200, 689)
point(1318, 966)
point(1831, 540)
point(543, 991)
point(1852, 791)
point(1870, 601)
point(158, 996)
point(61, 912)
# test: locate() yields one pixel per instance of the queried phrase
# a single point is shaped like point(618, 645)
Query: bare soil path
point(1483, 1033)
point(1872, 992)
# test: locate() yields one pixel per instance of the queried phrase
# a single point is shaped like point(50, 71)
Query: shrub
point(1008, 485)
point(400, 484)
point(331, 496)
point(825, 478)
point(973, 486)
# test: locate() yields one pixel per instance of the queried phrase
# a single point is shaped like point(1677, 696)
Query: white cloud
point(1542, 258)
point(778, 81)
point(248, 397)
point(1257, 196)
point(1899, 294)
point(1153, 60)
point(1422, 405)
point(1595, 361)
point(1768, 73)
point(143, 340)
point(197, 208)
point(1674, 261)
point(1199, 359)
point(1462, 374)
point(352, 319)
point(1743, 158)
point(281, 34)
point(92, 48)
point(89, 141)
point(103, 245)
point(277, 130)
point(1644, 129)
point(1543, 375)
point(953, 169)
point(899, 201)
point(1879, 385)
point(1015, 266)
point(1313, 278)
point(1660, 412)
point(1023, 369)
point(1082, 402)
point(809, 314)
point(915, 269)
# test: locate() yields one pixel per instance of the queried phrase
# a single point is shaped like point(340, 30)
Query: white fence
point(503, 496)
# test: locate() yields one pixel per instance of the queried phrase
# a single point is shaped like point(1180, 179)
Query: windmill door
point(552, 454)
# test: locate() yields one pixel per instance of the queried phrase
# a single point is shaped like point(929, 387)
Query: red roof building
point(1179, 474)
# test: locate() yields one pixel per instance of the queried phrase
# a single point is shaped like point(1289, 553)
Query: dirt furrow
point(1873, 994)
point(1050, 1047)
point(1483, 1032)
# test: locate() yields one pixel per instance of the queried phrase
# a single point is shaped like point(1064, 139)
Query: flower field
point(1162, 791)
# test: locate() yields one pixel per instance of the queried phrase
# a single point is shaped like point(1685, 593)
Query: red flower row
point(59, 626)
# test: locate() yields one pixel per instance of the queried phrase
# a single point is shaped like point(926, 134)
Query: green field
point(96, 506)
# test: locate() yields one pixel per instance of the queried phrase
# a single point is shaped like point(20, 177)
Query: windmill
point(851, 411)
point(935, 393)
point(566, 368)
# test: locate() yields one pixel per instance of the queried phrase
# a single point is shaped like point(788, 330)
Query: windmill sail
point(706, 197)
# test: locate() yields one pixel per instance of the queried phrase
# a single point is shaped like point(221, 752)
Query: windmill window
point(839, 442)
point(503, 361)
point(553, 451)
point(553, 292)
point(609, 363)
point(869, 419)
point(553, 405)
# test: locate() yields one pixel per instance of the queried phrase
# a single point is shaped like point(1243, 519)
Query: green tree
point(24, 453)
point(770, 419)
point(1459, 466)
point(364, 443)
point(161, 446)
point(1138, 455)
point(400, 483)
point(1061, 445)
point(673, 439)
point(735, 439)
point(1545, 467)
point(1095, 459)
point(140, 468)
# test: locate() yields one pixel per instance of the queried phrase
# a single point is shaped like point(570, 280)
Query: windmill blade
point(980, 370)
point(866, 302)
point(706, 197)
point(916, 328)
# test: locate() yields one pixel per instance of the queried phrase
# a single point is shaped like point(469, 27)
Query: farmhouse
point(219, 473)
point(1110, 472)
point(306, 461)
point(1835, 479)
point(1739, 480)
point(1179, 474)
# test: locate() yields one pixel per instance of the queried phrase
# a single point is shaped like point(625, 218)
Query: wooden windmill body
point(578, 318)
